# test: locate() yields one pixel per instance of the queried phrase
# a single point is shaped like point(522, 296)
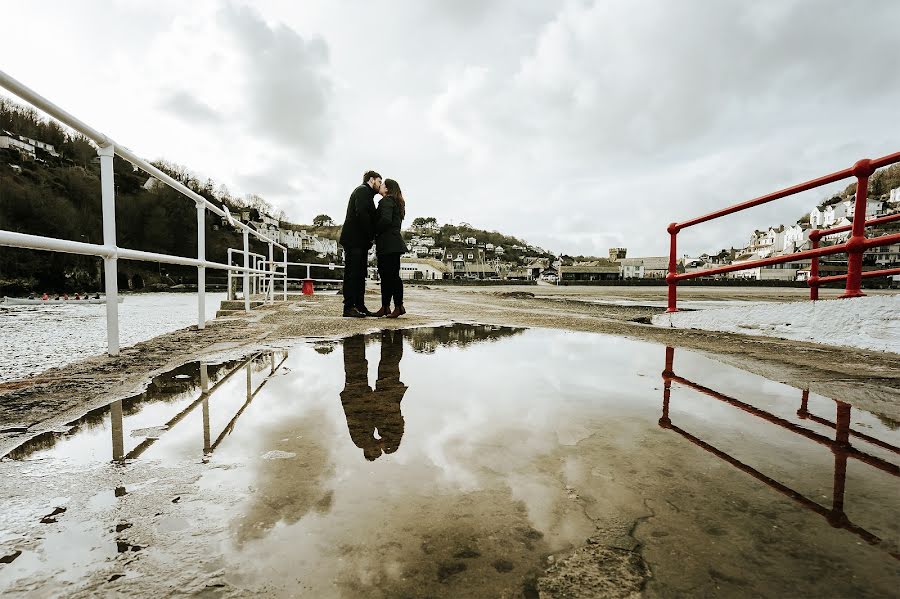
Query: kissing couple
point(364, 225)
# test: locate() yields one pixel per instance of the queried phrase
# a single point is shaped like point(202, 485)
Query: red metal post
point(673, 268)
point(803, 412)
point(814, 237)
point(667, 374)
point(856, 243)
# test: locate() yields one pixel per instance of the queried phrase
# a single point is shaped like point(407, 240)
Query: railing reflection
point(840, 447)
point(116, 415)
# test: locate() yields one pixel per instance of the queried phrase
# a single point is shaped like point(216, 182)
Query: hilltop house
point(794, 239)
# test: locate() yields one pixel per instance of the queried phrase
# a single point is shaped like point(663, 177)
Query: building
point(499, 250)
point(794, 238)
point(456, 237)
point(651, 267)
point(616, 254)
point(834, 213)
point(11, 141)
point(425, 269)
point(437, 252)
point(471, 241)
point(581, 273)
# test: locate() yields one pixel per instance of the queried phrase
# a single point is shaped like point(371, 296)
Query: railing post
point(271, 294)
point(673, 268)
point(201, 270)
point(284, 250)
point(814, 236)
point(855, 247)
point(230, 294)
point(667, 375)
point(110, 263)
point(246, 270)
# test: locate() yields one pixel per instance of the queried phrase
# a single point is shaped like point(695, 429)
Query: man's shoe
point(365, 311)
point(353, 313)
point(381, 312)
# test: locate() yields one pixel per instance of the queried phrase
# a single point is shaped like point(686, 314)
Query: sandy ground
point(869, 380)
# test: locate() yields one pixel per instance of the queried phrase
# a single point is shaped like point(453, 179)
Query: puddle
point(464, 460)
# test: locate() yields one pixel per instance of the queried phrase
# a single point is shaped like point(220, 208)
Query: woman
point(389, 246)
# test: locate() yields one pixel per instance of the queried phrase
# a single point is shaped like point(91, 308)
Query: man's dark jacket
point(388, 239)
point(359, 224)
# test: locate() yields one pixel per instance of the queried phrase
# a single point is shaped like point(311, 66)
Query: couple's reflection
point(373, 417)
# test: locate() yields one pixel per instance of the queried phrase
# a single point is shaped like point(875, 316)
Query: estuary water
point(35, 338)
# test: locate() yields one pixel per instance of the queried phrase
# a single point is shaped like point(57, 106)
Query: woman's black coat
point(387, 227)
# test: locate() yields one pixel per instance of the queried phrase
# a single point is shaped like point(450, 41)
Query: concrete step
point(239, 304)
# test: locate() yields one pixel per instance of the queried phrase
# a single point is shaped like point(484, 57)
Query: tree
point(323, 220)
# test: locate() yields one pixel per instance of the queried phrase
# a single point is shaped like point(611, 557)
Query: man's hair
point(369, 175)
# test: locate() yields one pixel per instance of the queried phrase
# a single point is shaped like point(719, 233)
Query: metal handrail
point(855, 246)
point(107, 149)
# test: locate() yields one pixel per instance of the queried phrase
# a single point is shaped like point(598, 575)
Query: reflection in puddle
point(456, 461)
point(840, 446)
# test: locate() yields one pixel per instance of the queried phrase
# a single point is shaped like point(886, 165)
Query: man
point(357, 235)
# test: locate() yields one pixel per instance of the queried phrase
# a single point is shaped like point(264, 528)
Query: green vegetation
point(60, 197)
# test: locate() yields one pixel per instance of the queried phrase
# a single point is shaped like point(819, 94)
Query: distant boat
point(15, 301)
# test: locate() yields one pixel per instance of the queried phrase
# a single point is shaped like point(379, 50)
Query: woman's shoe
point(381, 312)
point(398, 311)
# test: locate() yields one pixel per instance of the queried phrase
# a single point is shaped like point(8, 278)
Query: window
point(471, 256)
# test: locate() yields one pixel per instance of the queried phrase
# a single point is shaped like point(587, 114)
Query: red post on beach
point(814, 236)
point(673, 268)
point(855, 245)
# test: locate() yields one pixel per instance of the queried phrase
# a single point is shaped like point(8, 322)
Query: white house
point(41, 145)
point(420, 250)
point(426, 241)
point(894, 197)
point(651, 267)
point(793, 239)
point(816, 218)
point(437, 252)
point(456, 237)
point(834, 213)
point(489, 247)
point(471, 241)
point(499, 250)
point(10, 140)
point(422, 269)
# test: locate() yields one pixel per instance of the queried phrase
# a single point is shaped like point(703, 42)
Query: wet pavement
point(458, 461)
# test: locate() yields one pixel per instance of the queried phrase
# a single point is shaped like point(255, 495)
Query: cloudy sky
point(578, 125)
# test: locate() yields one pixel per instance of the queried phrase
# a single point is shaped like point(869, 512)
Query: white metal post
point(271, 294)
point(110, 264)
point(246, 271)
point(285, 273)
point(230, 295)
point(201, 270)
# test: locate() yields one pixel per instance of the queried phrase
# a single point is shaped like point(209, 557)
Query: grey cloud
point(677, 109)
point(188, 108)
point(289, 90)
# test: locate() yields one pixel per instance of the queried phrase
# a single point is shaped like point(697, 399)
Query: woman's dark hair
point(393, 190)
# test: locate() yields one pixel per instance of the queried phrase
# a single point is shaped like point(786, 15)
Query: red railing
point(840, 447)
point(816, 235)
point(854, 247)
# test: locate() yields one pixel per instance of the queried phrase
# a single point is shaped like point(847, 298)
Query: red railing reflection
point(840, 447)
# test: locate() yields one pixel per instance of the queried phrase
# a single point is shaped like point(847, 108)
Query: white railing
point(260, 280)
point(107, 149)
